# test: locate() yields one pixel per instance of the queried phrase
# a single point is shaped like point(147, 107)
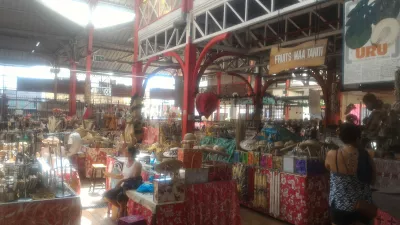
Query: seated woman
point(352, 173)
point(130, 179)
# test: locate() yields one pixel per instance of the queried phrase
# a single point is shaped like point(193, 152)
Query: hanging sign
point(372, 41)
point(310, 53)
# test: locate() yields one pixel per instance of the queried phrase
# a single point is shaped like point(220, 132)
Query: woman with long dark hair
point(352, 172)
point(130, 178)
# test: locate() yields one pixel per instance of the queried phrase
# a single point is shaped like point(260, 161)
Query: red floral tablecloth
point(304, 199)
point(138, 209)
point(65, 211)
point(384, 218)
point(297, 199)
point(166, 214)
point(215, 203)
point(387, 173)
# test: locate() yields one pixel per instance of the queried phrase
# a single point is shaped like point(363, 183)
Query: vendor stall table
point(387, 178)
point(60, 211)
point(160, 214)
point(296, 199)
point(214, 203)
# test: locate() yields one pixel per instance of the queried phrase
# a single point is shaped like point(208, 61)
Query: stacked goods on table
point(169, 187)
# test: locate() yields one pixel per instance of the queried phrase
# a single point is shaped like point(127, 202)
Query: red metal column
point(249, 89)
point(137, 79)
point(89, 55)
point(72, 89)
point(189, 89)
point(287, 94)
point(219, 74)
point(258, 98)
point(89, 63)
point(137, 67)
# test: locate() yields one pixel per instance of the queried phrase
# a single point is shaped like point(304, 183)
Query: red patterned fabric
point(269, 161)
point(250, 180)
point(219, 172)
point(170, 214)
point(304, 200)
point(384, 218)
point(137, 209)
point(215, 203)
point(387, 173)
point(65, 211)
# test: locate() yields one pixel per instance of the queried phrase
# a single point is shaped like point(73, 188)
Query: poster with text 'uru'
point(371, 41)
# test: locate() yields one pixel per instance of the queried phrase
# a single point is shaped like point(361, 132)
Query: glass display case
point(32, 180)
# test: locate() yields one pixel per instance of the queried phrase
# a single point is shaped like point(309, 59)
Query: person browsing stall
point(352, 172)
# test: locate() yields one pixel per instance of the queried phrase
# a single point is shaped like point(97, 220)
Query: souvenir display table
point(160, 214)
point(58, 211)
point(214, 203)
point(294, 198)
point(387, 178)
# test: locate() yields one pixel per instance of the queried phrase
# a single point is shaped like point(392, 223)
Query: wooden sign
point(307, 54)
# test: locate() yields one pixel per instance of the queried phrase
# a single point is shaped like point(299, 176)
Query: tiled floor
point(249, 217)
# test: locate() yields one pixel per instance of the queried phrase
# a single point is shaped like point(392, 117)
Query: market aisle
point(99, 217)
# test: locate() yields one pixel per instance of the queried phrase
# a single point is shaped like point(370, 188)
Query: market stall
point(38, 186)
point(187, 189)
point(57, 211)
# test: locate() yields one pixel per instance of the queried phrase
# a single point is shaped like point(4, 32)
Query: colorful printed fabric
point(240, 175)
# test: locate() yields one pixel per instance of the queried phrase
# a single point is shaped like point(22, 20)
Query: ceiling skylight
point(104, 15)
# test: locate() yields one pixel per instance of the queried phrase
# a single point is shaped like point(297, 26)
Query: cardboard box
point(191, 158)
point(168, 190)
point(194, 176)
point(289, 164)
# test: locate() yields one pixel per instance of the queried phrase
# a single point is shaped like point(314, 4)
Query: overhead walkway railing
point(252, 23)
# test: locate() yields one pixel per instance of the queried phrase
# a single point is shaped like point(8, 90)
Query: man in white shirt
point(74, 144)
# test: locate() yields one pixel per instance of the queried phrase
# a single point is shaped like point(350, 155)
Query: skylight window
point(104, 15)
